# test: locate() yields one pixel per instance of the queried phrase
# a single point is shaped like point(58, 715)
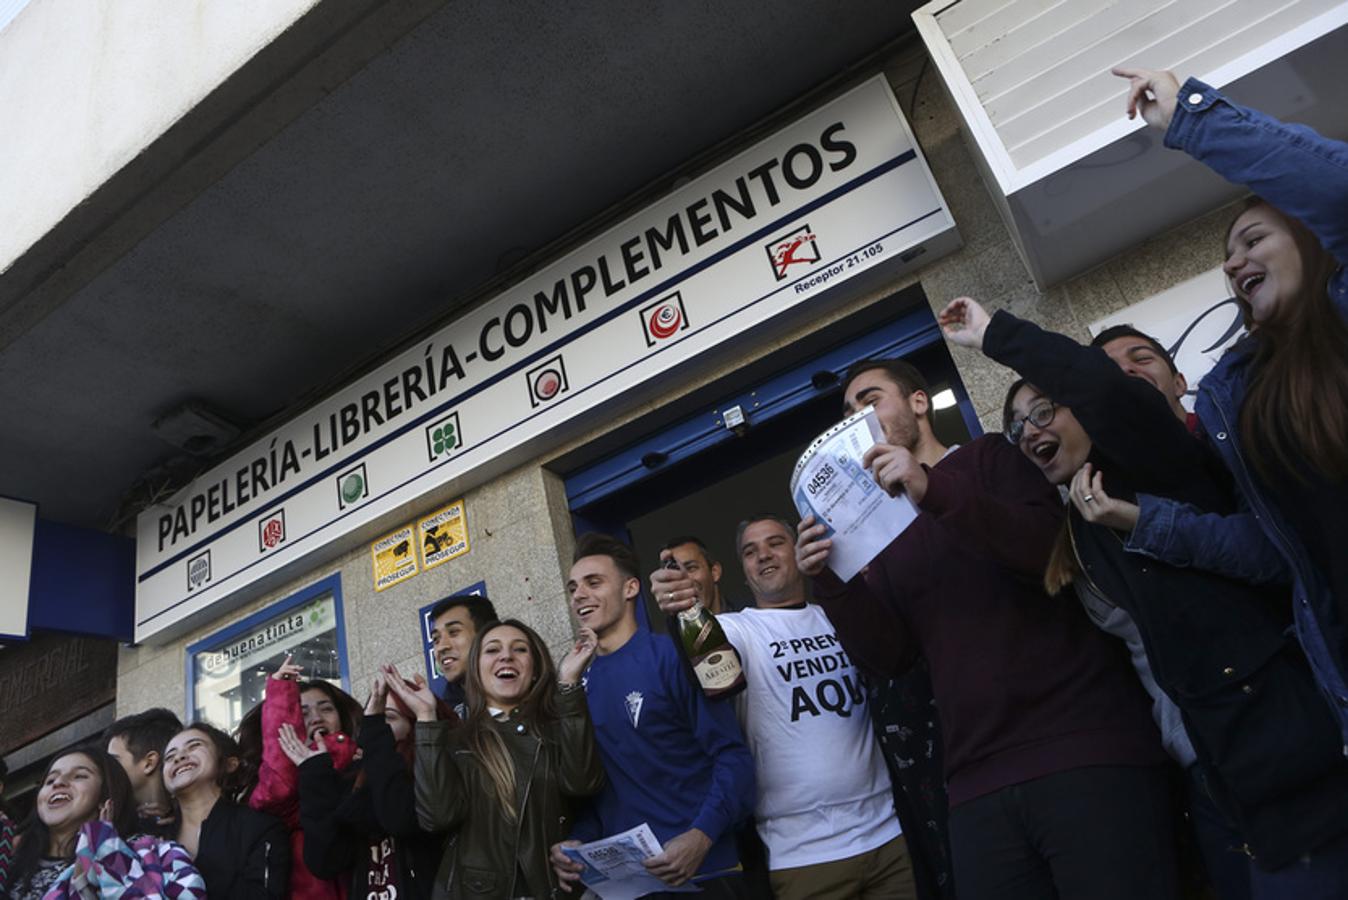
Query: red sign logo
point(665, 321)
point(797, 247)
point(663, 318)
point(271, 531)
point(547, 381)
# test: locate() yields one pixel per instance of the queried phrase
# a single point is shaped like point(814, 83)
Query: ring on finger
point(1089, 498)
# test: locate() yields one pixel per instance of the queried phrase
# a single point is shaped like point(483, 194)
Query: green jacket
point(454, 793)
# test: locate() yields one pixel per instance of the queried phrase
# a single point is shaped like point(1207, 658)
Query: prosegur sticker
point(394, 558)
point(443, 534)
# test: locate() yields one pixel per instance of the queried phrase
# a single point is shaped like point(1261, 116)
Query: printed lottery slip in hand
point(614, 869)
point(831, 484)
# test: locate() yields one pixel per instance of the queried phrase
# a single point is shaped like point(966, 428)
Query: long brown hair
point(1295, 411)
point(113, 785)
point(536, 711)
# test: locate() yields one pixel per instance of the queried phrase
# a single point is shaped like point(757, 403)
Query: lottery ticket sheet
point(830, 483)
point(613, 865)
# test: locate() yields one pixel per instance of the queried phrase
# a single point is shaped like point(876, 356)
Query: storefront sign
point(228, 671)
point(1196, 320)
point(443, 535)
point(50, 681)
point(18, 526)
point(837, 193)
point(393, 558)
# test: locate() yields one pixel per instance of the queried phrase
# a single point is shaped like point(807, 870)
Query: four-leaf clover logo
point(443, 437)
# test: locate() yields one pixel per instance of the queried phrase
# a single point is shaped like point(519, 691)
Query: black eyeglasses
point(1041, 414)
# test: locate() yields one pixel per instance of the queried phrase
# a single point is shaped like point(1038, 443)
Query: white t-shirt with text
point(823, 789)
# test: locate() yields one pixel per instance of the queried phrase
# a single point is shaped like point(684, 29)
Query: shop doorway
point(693, 475)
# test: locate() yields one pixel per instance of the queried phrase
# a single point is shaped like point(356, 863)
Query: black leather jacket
point(488, 852)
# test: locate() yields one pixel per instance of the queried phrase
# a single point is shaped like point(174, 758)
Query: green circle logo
point(353, 487)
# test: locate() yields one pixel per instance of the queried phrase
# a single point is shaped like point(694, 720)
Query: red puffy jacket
point(278, 779)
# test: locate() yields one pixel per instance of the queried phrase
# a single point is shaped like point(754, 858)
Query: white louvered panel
point(1180, 52)
point(1166, 38)
point(984, 46)
point(1040, 68)
point(1031, 78)
point(1059, 24)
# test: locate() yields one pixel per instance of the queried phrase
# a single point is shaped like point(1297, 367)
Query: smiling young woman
point(501, 782)
point(321, 717)
point(1275, 406)
point(243, 854)
point(81, 839)
point(361, 824)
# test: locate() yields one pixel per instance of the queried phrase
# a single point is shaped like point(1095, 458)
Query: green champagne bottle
point(714, 661)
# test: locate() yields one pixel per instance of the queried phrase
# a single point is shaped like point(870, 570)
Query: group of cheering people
point(1207, 636)
point(1202, 550)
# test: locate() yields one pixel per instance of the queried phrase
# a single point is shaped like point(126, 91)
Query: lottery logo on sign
point(352, 487)
point(271, 531)
point(796, 247)
point(663, 319)
point(443, 437)
point(547, 381)
point(198, 571)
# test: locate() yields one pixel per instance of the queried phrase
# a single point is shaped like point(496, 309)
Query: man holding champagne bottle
point(825, 809)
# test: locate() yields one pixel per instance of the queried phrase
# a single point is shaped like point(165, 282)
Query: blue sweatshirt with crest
point(674, 759)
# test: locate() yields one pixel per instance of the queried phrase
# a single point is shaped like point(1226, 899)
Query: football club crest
point(634, 701)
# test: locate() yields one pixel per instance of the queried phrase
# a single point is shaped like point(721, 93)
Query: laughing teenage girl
point(243, 854)
point(362, 823)
point(1275, 406)
point(502, 781)
point(81, 840)
point(323, 716)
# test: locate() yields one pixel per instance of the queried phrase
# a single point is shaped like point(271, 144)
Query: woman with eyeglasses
point(1234, 696)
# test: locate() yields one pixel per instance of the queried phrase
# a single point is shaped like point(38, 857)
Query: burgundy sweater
point(1026, 685)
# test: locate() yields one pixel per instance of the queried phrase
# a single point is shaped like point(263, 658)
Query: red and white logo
point(663, 319)
point(796, 248)
point(547, 381)
point(271, 531)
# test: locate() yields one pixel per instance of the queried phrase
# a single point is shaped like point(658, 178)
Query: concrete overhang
point(359, 177)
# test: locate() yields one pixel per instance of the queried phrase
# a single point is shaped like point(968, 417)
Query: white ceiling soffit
point(1032, 78)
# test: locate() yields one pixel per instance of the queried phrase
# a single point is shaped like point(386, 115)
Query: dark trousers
point(1093, 833)
point(1319, 875)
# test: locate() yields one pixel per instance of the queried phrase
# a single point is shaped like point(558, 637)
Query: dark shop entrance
point(694, 468)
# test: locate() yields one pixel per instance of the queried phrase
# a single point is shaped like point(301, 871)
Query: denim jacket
point(1306, 176)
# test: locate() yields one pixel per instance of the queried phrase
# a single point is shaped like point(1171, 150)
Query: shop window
point(227, 671)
